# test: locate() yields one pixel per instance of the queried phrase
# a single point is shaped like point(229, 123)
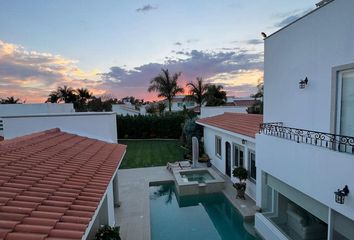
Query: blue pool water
point(197, 217)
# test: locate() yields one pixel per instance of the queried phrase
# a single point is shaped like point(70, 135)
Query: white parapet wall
point(214, 111)
point(36, 108)
point(24, 109)
point(100, 125)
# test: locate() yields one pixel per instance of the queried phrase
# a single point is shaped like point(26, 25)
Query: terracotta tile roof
point(51, 184)
point(241, 123)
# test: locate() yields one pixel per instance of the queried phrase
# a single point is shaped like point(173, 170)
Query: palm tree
point(257, 107)
point(215, 96)
point(197, 91)
point(53, 97)
point(83, 95)
point(67, 94)
point(10, 100)
point(166, 86)
point(62, 94)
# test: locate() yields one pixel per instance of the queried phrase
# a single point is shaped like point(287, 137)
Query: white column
point(110, 205)
point(116, 191)
point(245, 157)
point(330, 224)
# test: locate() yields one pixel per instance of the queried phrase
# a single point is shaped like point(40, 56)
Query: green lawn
point(150, 153)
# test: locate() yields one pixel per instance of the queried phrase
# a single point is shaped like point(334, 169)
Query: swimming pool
point(196, 217)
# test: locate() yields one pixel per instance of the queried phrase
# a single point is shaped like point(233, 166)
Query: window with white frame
point(238, 157)
point(345, 103)
point(252, 171)
point(218, 146)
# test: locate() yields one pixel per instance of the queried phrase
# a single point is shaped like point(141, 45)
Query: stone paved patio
point(133, 216)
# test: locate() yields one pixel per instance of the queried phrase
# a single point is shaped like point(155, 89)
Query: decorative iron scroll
point(327, 140)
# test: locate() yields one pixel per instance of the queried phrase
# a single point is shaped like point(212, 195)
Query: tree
point(10, 100)
point(62, 94)
point(101, 104)
point(53, 97)
point(215, 96)
point(67, 94)
point(166, 86)
point(257, 107)
point(151, 109)
point(83, 96)
point(197, 91)
point(161, 106)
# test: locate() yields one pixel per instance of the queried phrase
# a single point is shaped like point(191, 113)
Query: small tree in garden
point(242, 174)
point(107, 233)
point(161, 107)
point(192, 129)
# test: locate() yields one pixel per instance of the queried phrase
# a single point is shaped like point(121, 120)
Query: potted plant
point(107, 233)
point(205, 159)
point(242, 174)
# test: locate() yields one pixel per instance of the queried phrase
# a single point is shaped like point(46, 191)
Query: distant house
point(305, 151)
point(229, 140)
point(179, 103)
point(233, 104)
point(57, 185)
point(128, 109)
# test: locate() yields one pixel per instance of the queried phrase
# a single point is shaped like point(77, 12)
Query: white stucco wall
point(219, 163)
point(23, 109)
point(311, 47)
point(102, 126)
point(214, 111)
point(124, 110)
point(316, 171)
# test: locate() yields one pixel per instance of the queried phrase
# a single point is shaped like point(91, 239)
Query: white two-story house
point(305, 149)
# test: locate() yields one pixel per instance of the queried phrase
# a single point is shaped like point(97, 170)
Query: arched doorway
point(228, 159)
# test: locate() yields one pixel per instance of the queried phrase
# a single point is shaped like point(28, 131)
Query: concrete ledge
point(194, 187)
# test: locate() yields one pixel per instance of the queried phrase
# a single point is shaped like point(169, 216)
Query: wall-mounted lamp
point(341, 194)
point(244, 141)
point(303, 83)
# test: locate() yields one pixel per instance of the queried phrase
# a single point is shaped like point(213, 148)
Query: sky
point(115, 47)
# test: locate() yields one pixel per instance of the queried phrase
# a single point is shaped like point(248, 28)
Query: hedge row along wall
point(150, 126)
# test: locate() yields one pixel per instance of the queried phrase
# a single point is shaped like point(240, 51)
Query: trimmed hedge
point(150, 126)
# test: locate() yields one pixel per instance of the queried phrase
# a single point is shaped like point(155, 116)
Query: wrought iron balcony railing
point(327, 140)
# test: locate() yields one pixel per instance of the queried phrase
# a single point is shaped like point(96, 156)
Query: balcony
point(326, 140)
point(314, 163)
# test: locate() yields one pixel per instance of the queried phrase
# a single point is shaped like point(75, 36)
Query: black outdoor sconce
point(244, 141)
point(303, 83)
point(341, 194)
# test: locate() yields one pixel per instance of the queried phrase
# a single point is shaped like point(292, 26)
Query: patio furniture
point(178, 165)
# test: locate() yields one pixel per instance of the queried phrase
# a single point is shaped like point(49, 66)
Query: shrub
point(240, 173)
point(107, 233)
point(150, 126)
